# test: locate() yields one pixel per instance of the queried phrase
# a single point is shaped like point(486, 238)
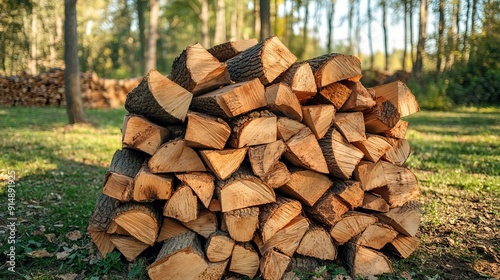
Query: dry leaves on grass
point(39, 254)
point(74, 235)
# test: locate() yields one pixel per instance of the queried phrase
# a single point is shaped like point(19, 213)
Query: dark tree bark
point(265, 19)
point(142, 36)
point(154, 10)
point(331, 14)
point(466, 32)
point(422, 35)
point(73, 91)
point(405, 49)
point(412, 44)
point(440, 42)
point(383, 4)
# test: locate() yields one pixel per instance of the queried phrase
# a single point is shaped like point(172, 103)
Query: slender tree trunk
point(472, 37)
point(142, 37)
point(358, 28)
point(384, 27)
point(33, 45)
point(405, 48)
point(205, 36)
point(370, 37)
point(275, 17)
point(265, 19)
point(452, 36)
point(72, 87)
point(466, 33)
point(422, 35)
point(331, 14)
point(349, 26)
point(412, 43)
point(256, 23)
point(154, 10)
point(440, 42)
point(302, 48)
point(220, 22)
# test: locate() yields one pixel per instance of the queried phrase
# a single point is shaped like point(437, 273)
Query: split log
point(206, 132)
point(201, 183)
point(244, 260)
point(170, 228)
point(215, 271)
point(118, 186)
point(255, 128)
point(351, 126)
point(306, 186)
point(127, 162)
point(373, 148)
point(129, 246)
point(402, 185)
point(198, 71)
point(231, 101)
point(266, 61)
point(349, 191)
point(342, 157)
point(175, 156)
point(400, 95)
point(219, 246)
point(242, 223)
point(273, 265)
point(287, 128)
point(215, 205)
point(304, 151)
point(350, 225)
point(225, 162)
point(263, 157)
point(287, 239)
point(318, 118)
point(336, 94)
point(361, 99)
point(404, 245)
point(114, 228)
point(328, 209)
point(381, 117)
point(277, 176)
point(149, 186)
point(159, 99)
point(398, 131)
point(405, 219)
point(231, 49)
point(175, 254)
point(102, 240)
point(399, 151)
point(333, 67)
point(142, 221)
point(364, 262)
point(317, 243)
point(204, 224)
point(281, 98)
point(182, 205)
point(274, 216)
point(374, 202)
point(140, 134)
point(300, 78)
point(371, 175)
point(376, 236)
point(99, 223)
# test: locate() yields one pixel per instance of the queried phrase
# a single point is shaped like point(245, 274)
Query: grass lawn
point(59, 171)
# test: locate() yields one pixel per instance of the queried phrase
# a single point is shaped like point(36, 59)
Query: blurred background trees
point(452, 47)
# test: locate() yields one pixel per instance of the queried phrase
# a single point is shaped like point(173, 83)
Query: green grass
point(60, 171)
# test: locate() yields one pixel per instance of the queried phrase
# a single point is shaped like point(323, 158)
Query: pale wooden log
point(274, 216)
point(215, 205)
point(364, 262)
point(319, 118)
point(231, 101)
point(263, 157)
point(149, 186)
point(280, 98)
point(404, 219)
point(169, 228)
point(206, 132)
point(300, 78)
point(351, 126)
point(244, 260)
point(175, 254)
point(402, 185)
point(273, 265)
point(143, 135)
point(215, 271)
point(129, 246)
point(371, 175)
point(277, 176)
point(142, 221)
point(255, 128)
point(405, 245)
point(336, 94)
point(204, 224)
point(225, 162)
point(361, 99)
point(266, 61)
point(219, 246)
point(114, 228)
point(381, 117)
point(118, 186)
point(328, 209)
point(350, 225)
point(159, 99)
point(374, 202)
point(398, 131)
point(374, 147)
point(201, 183)
point(287, 239)
point(376, 236)
point(306, 186)
point(349, 191)
point(102, 240)
point(242, 223)
point(399, 94)
point(287, 128)
point(341, 156)
point(399, 152)
point(175, 156)
point(198, 71)
point(304, 151)
point(331, 68)
point(317, 243)
point(182, 205)
point(231, 49)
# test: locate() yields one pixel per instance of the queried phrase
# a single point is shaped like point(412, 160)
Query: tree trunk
point(142, 37)
point(370, 38)
point(265, 19)
point(220, 24)
point(405, 49)
point(440, 42)
point(205, 36)
point(466, 32)
point(422, 34)
point(154, 6)
point(384, 27)
point(331, 13)
point(33, 44)
point(257, 23)
point(349, 27)
point(412, 47)
point(72, 73)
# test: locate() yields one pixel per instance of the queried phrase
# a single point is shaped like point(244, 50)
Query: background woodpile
point(47, 89)
point(244, 162)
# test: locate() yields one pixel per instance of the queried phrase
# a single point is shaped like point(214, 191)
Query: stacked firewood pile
point(47, 89)
point(246, 162)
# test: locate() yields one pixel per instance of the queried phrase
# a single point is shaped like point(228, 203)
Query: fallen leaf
point(39, 254)
point(50, 237)
point(68, 276)
point(62, 255)
point(74, 235)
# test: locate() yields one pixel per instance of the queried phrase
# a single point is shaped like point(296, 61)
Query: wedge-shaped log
point(405, 219)
point(175, 156)
point(304, 151)
point(215, 205)
point(266, 61)
point(300, 78)
point(376, 236)
point(317, 243)
point(214, 271)
point(231, 101)
point(277, 176)
point(255, 128)
point(341, 156)
point(274, 264)
point(127, 162)
point(399, 94)
point(399, 152)
point(374, 202)
point(198, 71)
point(319, 118)
point(99, 222)
point(142, 221)
point(280, 98)
point(182, 205)
point(371, 175)
point(201, 183)
point(350, 225)
point(243, 190)
point(287, 239)
point(351, 126)
point(364, 262)
point(328, 209)
point(219, 246)
point(149, 186)
point(349, 191)
point(175, 254)
point(206, 132)
point(204, 224)
point(402, 185)
point(244, 260)
point(102, 240)
point(274, 216)
point(334, 67)
point(381, 117)
point(242, 223)
point(288, 128)
point(118, 186)
point(170, 227)
point(306, 186)
point(129, 246)
point(361, 98)
point(336, 94)
point(405, 245)
point(263, 157)
point(398, 131)
point(374, 147)
point(114, 228)
point(231, 49)
point(225, 162)
point(140, 134)
point(159, 99)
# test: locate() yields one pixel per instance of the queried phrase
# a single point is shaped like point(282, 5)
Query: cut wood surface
point(214, 271)
point(175, 156)
point(103, 213)
point(182, 205)
point(205, 131)
point(255, 128)
point(374, 147)
point(300, 78)
point(402, 185)
point(336, 94)
point(349, 191)
point(277, 176)
point(244, 260)
point(170, 227)
point(114, 228)
point(128, 246)
point(225, 162)
point(374, 202)
point(219, 246)
point(287, 239)
point(400, 95)
point(281, 98)
point(381, 117)
point(399, 151)
point(102, 240)
point(273, 265)
point(198, 71)
point(201, 183)
point(304, 151)
point(318, 118)
point(351, 126)
point(371, 175)
point(333, 67)
point(266, 61)
point(405, 245)
point(317, 243)
point(263, 157)
point(364, 262)
point(231, 101)
point(242, 223)
point(306, 186)
point(159, 99)
point(376, 236)
point(350, 225)
point(287, 128)
point(328, 209)
point(118, 186)
point(398, 131)
point(149, 186)
point(204, 224)
point(142, 221)
point(274, 216)
point(405, 219)
point(231, 49)
point(361, 99)
point(140, 134)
